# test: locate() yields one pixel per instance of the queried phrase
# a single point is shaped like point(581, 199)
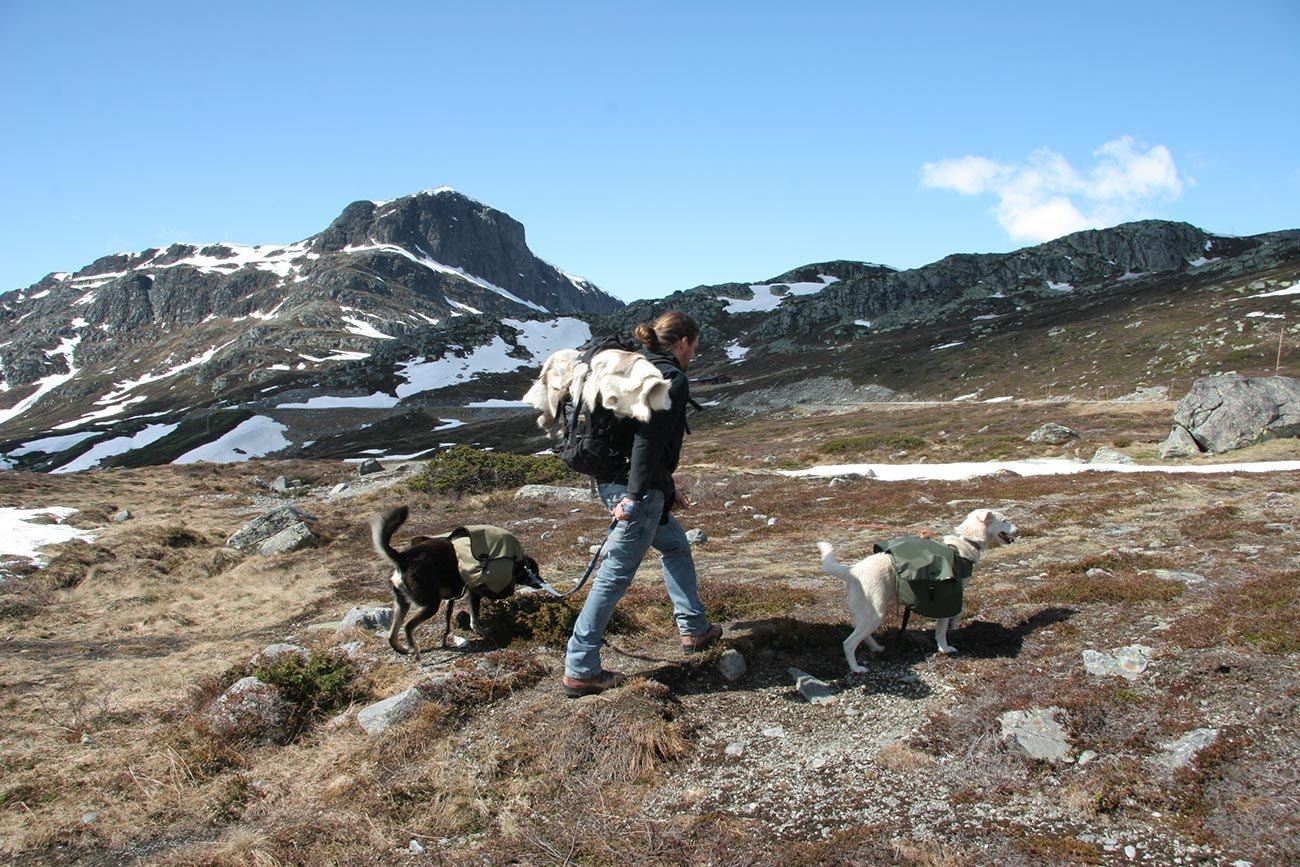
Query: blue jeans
point(627, 546)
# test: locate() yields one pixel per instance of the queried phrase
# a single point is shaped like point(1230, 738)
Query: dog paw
point(947, 649)
point(457, 641)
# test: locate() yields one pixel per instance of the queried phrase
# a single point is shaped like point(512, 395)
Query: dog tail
point(382, 528)
point(830, 565)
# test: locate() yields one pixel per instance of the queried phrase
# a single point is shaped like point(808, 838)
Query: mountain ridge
point(429, 313)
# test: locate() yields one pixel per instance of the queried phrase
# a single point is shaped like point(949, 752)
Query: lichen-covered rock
point(249, 709)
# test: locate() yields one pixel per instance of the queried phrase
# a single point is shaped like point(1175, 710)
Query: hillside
point(113, 654)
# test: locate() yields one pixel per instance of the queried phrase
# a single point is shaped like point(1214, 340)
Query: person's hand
point(626, 509)
point(682, 501)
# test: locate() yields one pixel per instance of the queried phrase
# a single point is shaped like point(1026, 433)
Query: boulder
point(382, 715)
point(1228, 412)
point(275, 532)
point(1051, 434)
point(1108, 455)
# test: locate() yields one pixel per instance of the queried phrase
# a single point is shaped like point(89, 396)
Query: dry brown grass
point(111, 652)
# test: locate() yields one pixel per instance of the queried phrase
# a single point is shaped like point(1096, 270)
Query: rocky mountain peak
point(462, 234)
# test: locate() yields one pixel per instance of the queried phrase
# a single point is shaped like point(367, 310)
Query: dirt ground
point(110, 656)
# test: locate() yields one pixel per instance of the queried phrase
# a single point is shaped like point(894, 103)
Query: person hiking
point(640, 499)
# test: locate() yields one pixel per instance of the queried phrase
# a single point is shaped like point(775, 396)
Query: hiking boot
point(576, 687)
point(697, 643)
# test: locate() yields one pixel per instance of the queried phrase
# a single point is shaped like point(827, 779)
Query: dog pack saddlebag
point(490, 559)
point(930, 575)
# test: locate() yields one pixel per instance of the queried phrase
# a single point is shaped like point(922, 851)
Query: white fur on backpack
point(552, 387)
point(626, 383)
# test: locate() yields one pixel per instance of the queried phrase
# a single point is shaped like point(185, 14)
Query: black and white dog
point(424, 575)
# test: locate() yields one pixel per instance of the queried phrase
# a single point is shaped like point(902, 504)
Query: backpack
point(930, 575)
point(596, 442)
point(492, 561)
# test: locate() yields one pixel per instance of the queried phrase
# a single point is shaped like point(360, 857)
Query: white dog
point(873, 583)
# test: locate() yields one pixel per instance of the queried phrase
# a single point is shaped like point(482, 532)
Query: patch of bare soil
point(109, 657)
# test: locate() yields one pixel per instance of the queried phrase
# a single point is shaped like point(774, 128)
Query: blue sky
point(648, 147)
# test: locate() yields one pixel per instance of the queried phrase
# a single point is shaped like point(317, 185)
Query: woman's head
point(673, 332)
point(666, 330)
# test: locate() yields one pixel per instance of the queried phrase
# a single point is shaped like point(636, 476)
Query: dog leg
point(422, 614)
point(400, 608)
point(474, 602)
point(863, 626)
point(851, 650)
point(941, 634)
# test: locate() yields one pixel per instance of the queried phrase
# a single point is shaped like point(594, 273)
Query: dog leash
point(591, 567)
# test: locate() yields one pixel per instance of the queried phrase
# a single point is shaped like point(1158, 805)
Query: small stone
point(732, 665)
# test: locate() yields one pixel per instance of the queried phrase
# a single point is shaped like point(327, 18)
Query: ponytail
point(665, 331)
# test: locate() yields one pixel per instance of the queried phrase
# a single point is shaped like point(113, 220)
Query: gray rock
point(374, 619)
point(1179, 444)
point(1036, 733)
point(291, 538)
point(814, 690)
point(1051, 434)
point(1188, 578)
point(732, 665)
point(1108, 455)
point(1223, 413)
point(1180, 753)
point(696, 536)
point(274, 653)
point(382, 715)
point(253, 535)
point(369, 467)
point(250, 708)
point(1127, 662)
point(122, 516)
point(556, 494)
point(280, 485)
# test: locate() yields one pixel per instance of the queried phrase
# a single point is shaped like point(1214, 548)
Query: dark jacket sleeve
point(657, 442)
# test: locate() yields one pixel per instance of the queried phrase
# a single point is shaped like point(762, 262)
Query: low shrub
point(466, 470)
point(315, 686)
point(1260, 613)
point(1112, 589)
point(872, 443)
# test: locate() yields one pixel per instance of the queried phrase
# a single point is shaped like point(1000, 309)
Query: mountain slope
point(221, 322)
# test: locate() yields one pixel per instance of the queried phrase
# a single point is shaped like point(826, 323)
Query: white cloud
point(1045, 197)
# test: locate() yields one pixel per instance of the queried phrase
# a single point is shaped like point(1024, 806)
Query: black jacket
point(657, 443)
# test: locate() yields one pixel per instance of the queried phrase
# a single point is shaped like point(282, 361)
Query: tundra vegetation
point(115, 653)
